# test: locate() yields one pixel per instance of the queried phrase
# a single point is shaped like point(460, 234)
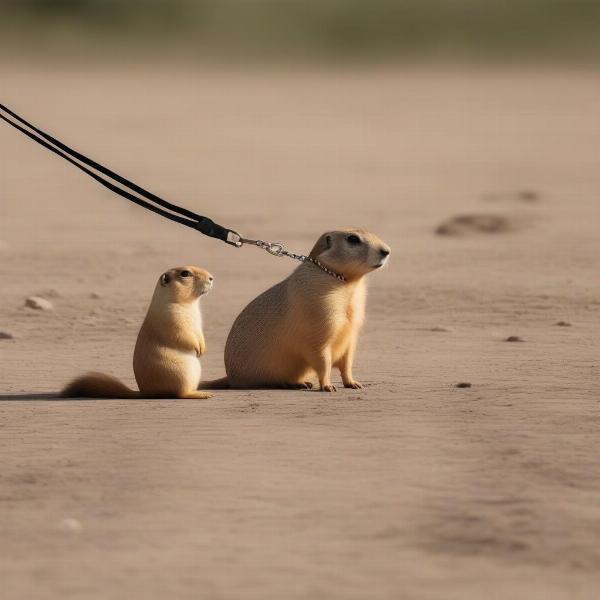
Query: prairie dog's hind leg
point(297, 385)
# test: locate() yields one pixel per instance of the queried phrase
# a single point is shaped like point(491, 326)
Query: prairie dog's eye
point(353, 240)
point(185, 274)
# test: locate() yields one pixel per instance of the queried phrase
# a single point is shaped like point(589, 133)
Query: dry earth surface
point(411, 488)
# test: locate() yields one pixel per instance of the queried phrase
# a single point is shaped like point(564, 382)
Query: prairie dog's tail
point(214, 384)
point(98, 385)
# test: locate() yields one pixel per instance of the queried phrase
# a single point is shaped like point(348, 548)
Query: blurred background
point(307, 29)
point(466, 134)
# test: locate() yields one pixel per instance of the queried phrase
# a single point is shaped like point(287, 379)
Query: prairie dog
point(166, 360)
point(309, 322)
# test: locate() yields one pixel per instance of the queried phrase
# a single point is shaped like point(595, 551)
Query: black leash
point(148, 200)
point(182, 215)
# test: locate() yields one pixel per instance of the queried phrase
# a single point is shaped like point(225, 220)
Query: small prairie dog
point(307, 323)
point(166, 360)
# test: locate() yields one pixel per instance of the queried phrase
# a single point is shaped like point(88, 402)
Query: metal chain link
point(278, 249)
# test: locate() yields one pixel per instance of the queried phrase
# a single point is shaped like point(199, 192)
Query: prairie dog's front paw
point(355, 385)
point(328, 388)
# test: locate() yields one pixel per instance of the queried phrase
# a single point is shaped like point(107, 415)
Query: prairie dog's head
point(184, 284)
point(351, 252)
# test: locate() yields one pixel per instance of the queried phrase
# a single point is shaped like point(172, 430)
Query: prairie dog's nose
point(211, 278)
point(384, 252)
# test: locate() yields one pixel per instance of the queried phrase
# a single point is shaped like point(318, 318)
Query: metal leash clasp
point(273, 248)
point(276, 249)
point(234, 239)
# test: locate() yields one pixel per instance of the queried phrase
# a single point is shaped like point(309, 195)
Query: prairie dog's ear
point(323, 243)
point(165, 279)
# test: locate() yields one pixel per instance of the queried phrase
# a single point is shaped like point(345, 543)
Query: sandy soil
point(411, 488)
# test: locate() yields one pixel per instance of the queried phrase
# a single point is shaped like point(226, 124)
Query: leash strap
point(148, 200)
point(182, 215)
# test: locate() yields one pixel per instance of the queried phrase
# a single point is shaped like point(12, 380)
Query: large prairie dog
point(166, 360)
point(309, 322)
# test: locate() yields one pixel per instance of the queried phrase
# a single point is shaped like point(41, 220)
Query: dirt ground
point(411, 488)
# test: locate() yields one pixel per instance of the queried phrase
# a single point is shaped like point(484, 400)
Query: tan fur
point(98, 385)
point(306, 324)
point(166, 360)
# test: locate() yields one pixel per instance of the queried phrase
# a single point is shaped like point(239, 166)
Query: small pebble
point(95, 295)
point(514, 338)
point(38, 303)
point(70, 524)
point(463, 384)
point(528, 195)
point(563, 324)
point(442, 328)
point(4, 335)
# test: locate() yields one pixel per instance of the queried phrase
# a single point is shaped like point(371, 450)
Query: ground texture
point(411, 488)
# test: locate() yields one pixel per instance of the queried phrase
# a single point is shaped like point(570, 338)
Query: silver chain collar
point(278, 249)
